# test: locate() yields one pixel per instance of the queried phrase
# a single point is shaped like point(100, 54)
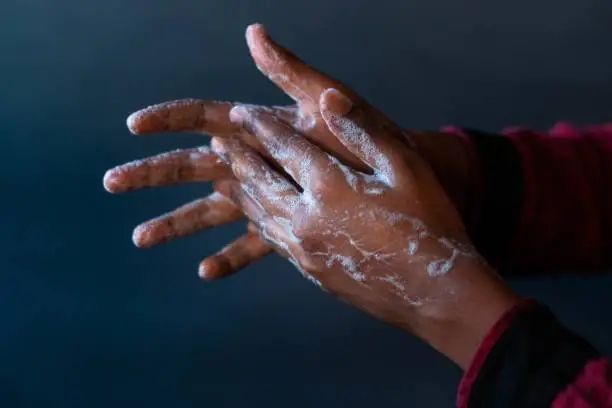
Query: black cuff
point(502, 196)
point(535, 359)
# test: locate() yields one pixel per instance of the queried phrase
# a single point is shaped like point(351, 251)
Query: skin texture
point(387, 239)
point(445, 153)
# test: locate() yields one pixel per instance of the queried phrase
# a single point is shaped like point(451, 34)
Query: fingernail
point(251, 32)
point(203, 271)
point(238, 114)
point(336, 102)
point(253, 29)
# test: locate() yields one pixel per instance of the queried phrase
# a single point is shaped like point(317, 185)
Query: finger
point(277, 236)
point(234, 257)
point(301, 82)
point(179, 166)
point(284, 242)
point(363, 132)
point(209, 117)
point(204, 213)
point(251, 208)
point(271, 190)
point(252, 228)
point(293, 152)
point(278, 233)
point(184, 115)
point(192, 115)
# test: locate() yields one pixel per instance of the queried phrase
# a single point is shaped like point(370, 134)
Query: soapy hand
point(382, 227)
point(387, 239)
point(196, 165)
point(304, 84)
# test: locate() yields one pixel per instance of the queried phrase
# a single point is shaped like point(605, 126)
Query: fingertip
point(141, 237)
point(326, 96)
point(154, 118)
point(335, 102)
point(263, 50)
point(111, 182)
point(238, 114)
point(209, 269)
point(202, 271)
point(133, 121)
point(146, 120)
point(219, 147)
point(253, 31)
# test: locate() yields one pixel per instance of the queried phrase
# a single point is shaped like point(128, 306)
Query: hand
point(387, 240)
point(444, 152)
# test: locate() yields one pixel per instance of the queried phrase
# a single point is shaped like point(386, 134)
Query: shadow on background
point(87, 320)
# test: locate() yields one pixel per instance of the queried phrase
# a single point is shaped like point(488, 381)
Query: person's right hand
point(304, 84)
point(388, 241)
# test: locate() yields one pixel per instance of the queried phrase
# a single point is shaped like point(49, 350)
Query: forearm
point(565, 217)
point(530, 200)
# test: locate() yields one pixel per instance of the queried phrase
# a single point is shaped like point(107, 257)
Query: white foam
point(413, 246)
point(343, 249)
point(361, 142)
point(394, 280)
point(441, 267)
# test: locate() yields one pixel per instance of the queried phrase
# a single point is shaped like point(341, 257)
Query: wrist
point(457, 327)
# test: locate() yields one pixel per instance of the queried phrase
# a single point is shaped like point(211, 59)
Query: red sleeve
point(592, 388)
point(565, 217)
point(545, 199)
point(528, 359)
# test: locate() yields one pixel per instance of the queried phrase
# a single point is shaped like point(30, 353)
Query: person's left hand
point(388, 240)
point(301, 82)
point(445, 152)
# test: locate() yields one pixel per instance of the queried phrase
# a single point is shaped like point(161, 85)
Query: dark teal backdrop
point(87, 320)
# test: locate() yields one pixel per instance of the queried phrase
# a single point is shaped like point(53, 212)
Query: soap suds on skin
point(191, 165)
point(184, 114)
point(354, 259)
point(285, 225)
point(413, 246)
point(358, 182)
point(349, 264)
point(441, 266)
point(188, 217)
point(357, 136)
point(393, 280)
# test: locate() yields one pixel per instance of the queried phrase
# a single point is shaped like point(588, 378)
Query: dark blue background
point(87, 320)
